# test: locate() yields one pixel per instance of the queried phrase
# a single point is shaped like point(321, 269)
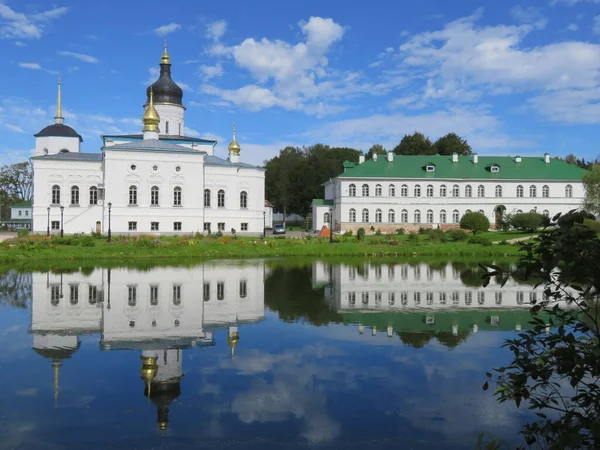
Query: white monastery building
point(391, 192)
point(159, 181)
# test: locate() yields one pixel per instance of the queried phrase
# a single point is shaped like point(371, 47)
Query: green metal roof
point(16, 220)
point(321, 202)
point(25, 204)
point(413, 166)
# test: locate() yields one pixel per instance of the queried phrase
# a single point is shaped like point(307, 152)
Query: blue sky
point(511, 77)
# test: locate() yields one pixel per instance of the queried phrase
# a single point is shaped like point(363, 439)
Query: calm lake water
point(255, 354)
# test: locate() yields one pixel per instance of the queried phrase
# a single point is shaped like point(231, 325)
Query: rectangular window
point(55, 225)
point(220, 290)
point(74, 294)
point(131, 295)
point(93, 195)
point(207, 227)
point(176, 294)
point(55, 294)
point(92, 294)
point(153, 226)
point(26, 213)
point(153, 295)
point(20, 213)
point(221, 226)
point(206, 293)
point(243, 289)
point(244, 227)
point(176, 226)
point(132, 226)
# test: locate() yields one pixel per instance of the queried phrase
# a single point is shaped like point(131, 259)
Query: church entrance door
point(98, 227)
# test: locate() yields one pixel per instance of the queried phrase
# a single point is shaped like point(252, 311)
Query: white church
point(159, 182)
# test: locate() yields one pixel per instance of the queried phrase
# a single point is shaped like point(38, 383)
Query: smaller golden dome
point(148, 370)
point(165, 58)
point(162, 426)
point(234, 147)
point(233, 341)
point(151, 119)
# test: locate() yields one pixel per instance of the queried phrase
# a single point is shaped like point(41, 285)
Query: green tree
point(377, 149)
point(414, 144)
point(528, 222)
point(591, 183)
point(452, 143)
point(475, 222)
point(556, 364)
point(16, 184)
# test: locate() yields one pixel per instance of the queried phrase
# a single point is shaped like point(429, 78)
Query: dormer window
point(494, 168)
point(430, 168)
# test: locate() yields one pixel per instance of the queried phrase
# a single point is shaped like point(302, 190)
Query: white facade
point(156, 182)
point(389, 203)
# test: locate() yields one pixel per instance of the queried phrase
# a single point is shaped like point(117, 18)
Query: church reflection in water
point(159, 313)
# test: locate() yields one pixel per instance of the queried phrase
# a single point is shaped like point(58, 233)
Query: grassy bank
point(165, 249)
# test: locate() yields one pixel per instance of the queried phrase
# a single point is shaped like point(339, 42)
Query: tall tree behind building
point(16, 184)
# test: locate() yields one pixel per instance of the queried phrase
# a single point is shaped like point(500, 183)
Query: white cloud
point(572, 27)
point(33, 66)
point(14, 128)
point(167, 29)
point(216, 30)
point(191, 132)
point(73, 69)
point(596, 26)
point(21, 26)
point(91, 37)
point(529, 15)
point(20, 44)
point(209, 72)
point(572, 2)
point(80, 56)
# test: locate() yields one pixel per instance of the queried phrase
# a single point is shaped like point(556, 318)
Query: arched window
point(429, 191)
point(365, 190)
point(417, 191)
point(56, 194)
point(404, 191)
point(519, 211)
point(404, 216)
point(365, 215)
point(326, 217)
point(455, 191)
point(545, 191)
point(392, 190)
point(498, 191)
point(243, 199)
point(546, 213)
point(221, 198)
point(167, 128)
point(417, 216)
point(443, 190)
point(177, 196)
point(443, 216)
point(133, 195)
point(481, 191)
point(429, 216)
point(468, 191)
point(352, 190)
point(519, 191)
point(74, 195)
point(391, 216)
point(352, 215)
point(377, 190)
point(207, 198)
point(378, 215)
point(568, 191)
point(532, 191)
point(93, 195)
point(481, 212)
point(455, 216)
point(154, 196)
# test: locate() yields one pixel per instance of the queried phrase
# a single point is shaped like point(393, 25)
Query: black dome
point(58, 353)
point(164, 89)
point(58, 129)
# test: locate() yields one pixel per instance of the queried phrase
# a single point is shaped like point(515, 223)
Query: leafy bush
point(457, 235)
point(400, 231)
point(348, 233)
point(360, 234)
point(219, 234)
point(480, 240)
point(435, 235)
point(378, 232)
point(97, 235)
point(23, 232)
point(475, 222)
point(87, 241)
point(413, 237)
point(593, 224)
point(423, 230)
point(527, 221)
point(198, 236)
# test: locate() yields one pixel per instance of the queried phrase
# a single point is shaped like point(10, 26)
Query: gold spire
point(148, 371)
point(234, 147)
point(59, 118)
point(151, 118)
point(165, 59)
point(56, 369)
point(233, 341)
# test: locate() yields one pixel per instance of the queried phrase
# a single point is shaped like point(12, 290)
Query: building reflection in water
point(159, 313)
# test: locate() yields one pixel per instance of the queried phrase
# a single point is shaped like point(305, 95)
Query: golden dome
point(234, 147)
point(165, 58)
point(151, 118)
point(233, 341)
point(148, 370)
point(162, 426)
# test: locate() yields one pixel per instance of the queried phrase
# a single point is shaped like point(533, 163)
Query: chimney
point(547, 158)
point(475, 158)
point(390, 156)
point(454, 157)
point(361, 159)
point(374, 157)
point(517, 159)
